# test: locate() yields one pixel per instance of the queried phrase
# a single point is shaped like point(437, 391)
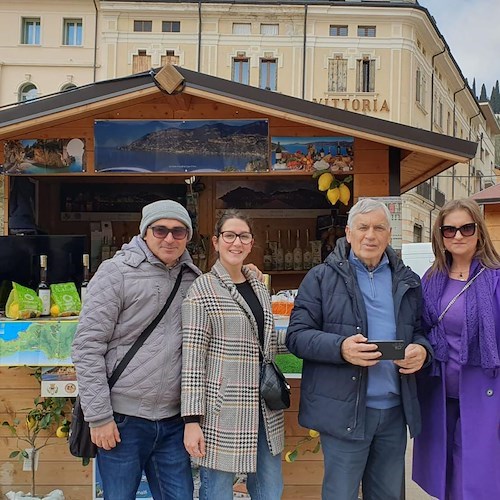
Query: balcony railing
point(424, 190)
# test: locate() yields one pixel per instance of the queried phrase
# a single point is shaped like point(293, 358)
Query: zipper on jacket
point(372, 283)
point(358, 395)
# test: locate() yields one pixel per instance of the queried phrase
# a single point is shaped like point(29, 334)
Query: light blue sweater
point(376, 287)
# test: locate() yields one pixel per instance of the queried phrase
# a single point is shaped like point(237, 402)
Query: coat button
point(489, 392)
point(349, 429)
point(353, 378)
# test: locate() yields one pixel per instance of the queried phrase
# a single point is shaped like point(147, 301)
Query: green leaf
point(24, 454)
point(14, 454)
point(317, 173)
point(317, 447)
point(293, 456)
point(85, 461)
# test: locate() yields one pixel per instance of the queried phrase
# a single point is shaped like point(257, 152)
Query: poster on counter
point(36, 343)
point(59, 382)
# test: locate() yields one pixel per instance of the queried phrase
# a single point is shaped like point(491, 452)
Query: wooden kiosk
point(389, 160)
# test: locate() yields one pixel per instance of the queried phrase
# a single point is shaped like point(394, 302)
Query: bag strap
point(454, 299)
point(145, 334)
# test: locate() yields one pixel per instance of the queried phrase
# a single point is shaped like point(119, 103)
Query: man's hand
point(258, 273)
point(356, 351)
point(194, 442)
point(415, 356)
point(105, 436)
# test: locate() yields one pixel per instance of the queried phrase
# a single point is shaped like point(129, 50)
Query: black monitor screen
point(20, 260)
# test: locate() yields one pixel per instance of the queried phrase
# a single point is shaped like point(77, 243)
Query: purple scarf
point(479, 344)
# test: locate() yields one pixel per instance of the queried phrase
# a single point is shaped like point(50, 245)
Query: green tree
point(474, 88)
point(495, 98)
point(483, 97)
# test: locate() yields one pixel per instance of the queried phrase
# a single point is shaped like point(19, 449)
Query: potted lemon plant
point(45, 420)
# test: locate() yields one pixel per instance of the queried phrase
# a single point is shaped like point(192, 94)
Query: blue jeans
point(376, 461)
point(156, 447)
point(265, 484)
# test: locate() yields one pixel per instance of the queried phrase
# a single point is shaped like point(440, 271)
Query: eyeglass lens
point(465, 230)
point(161, 232)
point(230, 237)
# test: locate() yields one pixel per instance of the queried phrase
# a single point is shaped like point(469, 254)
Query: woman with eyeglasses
point(226, 315)
point(457, 455)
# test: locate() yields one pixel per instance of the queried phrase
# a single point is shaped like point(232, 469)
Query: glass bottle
point(297, 254)
point(268, 255)
point(280, 254)
point(43, 287)
point(307, 256)
point(279, 153)
point(86, 276)
point(289, 253)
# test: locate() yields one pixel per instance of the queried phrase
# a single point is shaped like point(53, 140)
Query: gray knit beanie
point(165, 209)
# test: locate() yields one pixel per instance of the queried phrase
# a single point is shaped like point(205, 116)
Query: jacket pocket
point(219, 400)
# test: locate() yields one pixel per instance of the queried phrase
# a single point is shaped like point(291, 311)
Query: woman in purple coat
point(457, 455)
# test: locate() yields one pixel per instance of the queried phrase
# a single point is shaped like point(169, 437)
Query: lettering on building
point(363, 105)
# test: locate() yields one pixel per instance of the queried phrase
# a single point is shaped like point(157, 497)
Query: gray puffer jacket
point(124, 296)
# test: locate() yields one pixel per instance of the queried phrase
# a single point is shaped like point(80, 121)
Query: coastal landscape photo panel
point(313, 153)
point(181, 146)
point(44, 156)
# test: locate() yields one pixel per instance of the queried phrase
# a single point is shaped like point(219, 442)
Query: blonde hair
point(485, 251)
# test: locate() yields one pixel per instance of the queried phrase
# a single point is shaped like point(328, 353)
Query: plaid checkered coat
point(220, 370)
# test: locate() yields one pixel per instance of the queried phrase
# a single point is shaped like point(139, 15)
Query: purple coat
point(480, 424)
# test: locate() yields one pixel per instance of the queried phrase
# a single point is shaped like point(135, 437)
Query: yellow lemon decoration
point(313, 433)
point(55, 310)
point(324, 181)
point(290, 456)
point(62, 432)
point(333, 195)
point(345, 194)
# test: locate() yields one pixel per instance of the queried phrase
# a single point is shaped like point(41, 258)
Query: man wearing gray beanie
point(137, 425)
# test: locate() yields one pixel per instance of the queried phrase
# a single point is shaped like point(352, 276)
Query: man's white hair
point(365, 206)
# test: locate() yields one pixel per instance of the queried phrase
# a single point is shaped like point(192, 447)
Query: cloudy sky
point(472, 30)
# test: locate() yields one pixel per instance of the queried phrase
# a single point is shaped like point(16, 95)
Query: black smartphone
point(390, 349)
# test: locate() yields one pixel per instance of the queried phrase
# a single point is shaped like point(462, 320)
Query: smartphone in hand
point(390, 349)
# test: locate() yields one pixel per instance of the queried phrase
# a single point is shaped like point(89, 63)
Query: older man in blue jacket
point(360, 403)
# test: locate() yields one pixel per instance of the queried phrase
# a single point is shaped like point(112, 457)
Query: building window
point(420, 87)
point(268, 74)
point(72, 32)
point(27, 92)
point(365, 75)
point(171, 26)
point(68, 86)
point(31, 31)
point(269, 29)
point(417, 233)
point(241, 70)
point(337, 75)
point(141, 62)
point(337, 30)
point(169, 57)
point(143, 26)
point(370, 31)
point(242, 28)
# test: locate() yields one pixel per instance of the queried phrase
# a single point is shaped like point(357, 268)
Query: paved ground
point(413, 491)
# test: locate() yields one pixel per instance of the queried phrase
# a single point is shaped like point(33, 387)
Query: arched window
point(68, 86)
point(27, 92)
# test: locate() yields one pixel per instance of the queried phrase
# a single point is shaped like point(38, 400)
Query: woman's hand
point(194, 442)
point(254, 269)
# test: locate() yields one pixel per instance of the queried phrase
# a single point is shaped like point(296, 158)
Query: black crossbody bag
point(80, 444)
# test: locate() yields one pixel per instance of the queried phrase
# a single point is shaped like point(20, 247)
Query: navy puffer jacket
point(329, 307)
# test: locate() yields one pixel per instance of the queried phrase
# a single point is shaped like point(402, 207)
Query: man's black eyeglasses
point(161, 232)
point(465, 230)
point(230, 237)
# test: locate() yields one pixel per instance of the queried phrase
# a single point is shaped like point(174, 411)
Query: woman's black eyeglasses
point(161, 232)
point(230, 237)
point(465, 230)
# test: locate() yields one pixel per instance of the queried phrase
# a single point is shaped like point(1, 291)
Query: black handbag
point(274, 388)
point(80, 443)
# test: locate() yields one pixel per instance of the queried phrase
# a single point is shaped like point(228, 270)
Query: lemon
point(288, 457)
point(30, 423)
point(333, 195)
point(55, 310)
point(324, 181)
point(313, 433)
point(345, 194)
point(62, 432)
point(13, 311)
